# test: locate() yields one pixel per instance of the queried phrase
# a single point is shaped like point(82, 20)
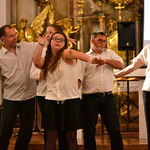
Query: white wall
point(146, 36)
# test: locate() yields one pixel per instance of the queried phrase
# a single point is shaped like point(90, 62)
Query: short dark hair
point(94, 34)
point(2, 29)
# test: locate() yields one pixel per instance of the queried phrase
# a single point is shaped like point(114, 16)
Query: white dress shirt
point(15, 70)
point(35, 75)
point(97, 79)
point(144, 56)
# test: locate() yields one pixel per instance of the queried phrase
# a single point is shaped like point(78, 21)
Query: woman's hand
point(41, 40)
point(72, 40)
point(98, 61)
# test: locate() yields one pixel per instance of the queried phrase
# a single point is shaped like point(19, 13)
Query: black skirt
point(63, 115)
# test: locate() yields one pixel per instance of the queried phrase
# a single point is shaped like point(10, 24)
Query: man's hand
point(98, 61)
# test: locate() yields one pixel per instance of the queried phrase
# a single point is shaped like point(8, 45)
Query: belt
point(102, 94)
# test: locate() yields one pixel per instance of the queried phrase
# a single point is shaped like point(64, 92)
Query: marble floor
point(131, 141)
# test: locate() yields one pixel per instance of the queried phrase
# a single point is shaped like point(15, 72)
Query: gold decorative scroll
point(122, 2)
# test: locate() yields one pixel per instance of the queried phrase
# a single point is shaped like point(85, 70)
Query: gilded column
point(81, 39)
point(102, 23)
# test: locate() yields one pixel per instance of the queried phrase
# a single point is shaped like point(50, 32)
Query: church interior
point(123, 23)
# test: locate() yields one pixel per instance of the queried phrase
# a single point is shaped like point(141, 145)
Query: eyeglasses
point(101, 41)
point(57, 39)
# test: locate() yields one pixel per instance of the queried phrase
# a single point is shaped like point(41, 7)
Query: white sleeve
point(34, 72)
point(116, 57)
point(144, 54)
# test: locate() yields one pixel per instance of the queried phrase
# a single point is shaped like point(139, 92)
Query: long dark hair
point(48, 65)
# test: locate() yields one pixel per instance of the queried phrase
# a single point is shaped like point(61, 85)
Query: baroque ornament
point(45, 18)
point(120, 4)
point(123, 2)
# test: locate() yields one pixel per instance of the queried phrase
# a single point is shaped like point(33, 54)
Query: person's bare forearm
point(114, 63)
point(37, 57)
point(125, 71)
point(73, 54)
point(137, 64)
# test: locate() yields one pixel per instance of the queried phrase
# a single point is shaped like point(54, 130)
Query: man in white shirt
point(97, 87)
point(142, 58)
point(19, 90)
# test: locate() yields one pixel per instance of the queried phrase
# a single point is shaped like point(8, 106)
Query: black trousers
point(63, 144)
point(107, 107)
point(9, 112)
point(146, 100)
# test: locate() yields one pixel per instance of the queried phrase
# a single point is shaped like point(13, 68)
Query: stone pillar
point(26, 9)
point(23, 9)
point(5, 7)
point(81, 40)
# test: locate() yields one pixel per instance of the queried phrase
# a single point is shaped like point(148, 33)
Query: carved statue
point(78, 25)
point(111, 25)
point(66, 23)
point(38, 26)
point(42, 4)
point(22, 28)
point(68, 27)
point(40, 23)
point(15, 27)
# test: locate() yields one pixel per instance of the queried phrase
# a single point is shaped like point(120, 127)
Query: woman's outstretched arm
point(136, 64)
point(70, 54)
